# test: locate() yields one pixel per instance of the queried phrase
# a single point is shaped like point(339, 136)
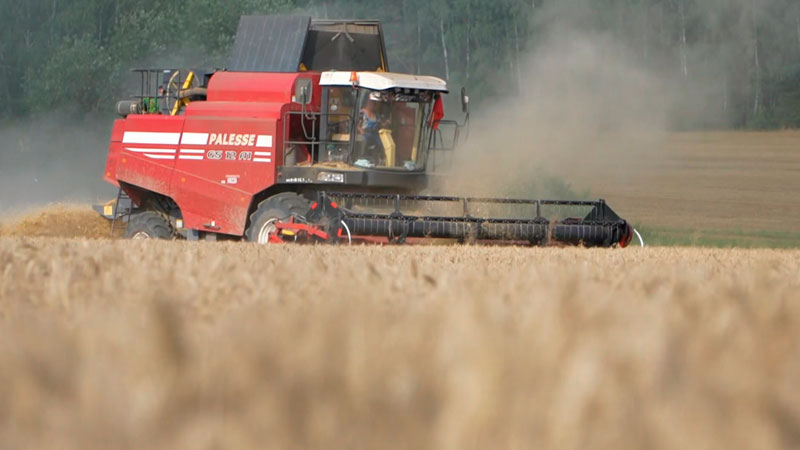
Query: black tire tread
point(154, 223)
point(281, 206)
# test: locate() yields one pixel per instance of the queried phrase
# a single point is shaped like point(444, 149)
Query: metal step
point(118, 209)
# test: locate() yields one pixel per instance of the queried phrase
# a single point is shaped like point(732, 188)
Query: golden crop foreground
point(165, 345)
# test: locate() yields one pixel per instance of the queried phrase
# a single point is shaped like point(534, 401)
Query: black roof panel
point(269, 43)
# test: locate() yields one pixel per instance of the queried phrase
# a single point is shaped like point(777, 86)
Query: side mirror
point(464, 100)
point(303, 91)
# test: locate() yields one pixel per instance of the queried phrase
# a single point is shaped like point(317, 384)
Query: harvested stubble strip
point(58, 220)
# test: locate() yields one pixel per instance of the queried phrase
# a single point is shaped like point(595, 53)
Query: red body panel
point(147, 155)
point(216, 157)
point(114, 152)
point(216, 177)
point(255, 87)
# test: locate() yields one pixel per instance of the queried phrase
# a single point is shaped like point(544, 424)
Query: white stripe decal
point(196, 158)
point(137, 137)
point(159, 156)
point(266, 160)
point(262, 153)
point(195, 151)
point(264, 141)
point(151, 150)
point(194, 139)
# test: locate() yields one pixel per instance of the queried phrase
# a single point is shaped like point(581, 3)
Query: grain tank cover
point(297, 43)
point(345, 45)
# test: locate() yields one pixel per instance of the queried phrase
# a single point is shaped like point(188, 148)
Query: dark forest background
point(736, 62)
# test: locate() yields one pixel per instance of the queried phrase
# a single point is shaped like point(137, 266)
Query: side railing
point(444, 140)
point(337, 147)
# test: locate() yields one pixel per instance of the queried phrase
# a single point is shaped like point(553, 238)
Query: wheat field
point(129, 345)
point(112, 344)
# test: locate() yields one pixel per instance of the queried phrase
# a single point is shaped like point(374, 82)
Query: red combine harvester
point(307, 136)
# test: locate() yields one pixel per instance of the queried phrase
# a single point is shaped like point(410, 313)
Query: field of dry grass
point(713, 180)
point(115, 344)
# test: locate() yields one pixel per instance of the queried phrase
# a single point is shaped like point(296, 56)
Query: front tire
point(276, 208)
point(148, 225)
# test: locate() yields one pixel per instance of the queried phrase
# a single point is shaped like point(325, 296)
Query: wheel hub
point(267, 231)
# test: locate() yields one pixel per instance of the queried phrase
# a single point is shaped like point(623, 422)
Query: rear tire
point(278, 207)
point(148, 225)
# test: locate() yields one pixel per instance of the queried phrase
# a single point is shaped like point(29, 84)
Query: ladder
point(122, 209)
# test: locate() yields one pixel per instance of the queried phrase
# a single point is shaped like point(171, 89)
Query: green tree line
point(740, 58)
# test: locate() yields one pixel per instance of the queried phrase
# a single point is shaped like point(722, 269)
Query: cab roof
point(381, 81)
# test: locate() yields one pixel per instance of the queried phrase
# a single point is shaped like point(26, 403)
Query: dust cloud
point(59, 157)
point(53, 158)
point(583, 104)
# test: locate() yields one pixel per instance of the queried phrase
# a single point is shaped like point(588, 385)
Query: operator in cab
point(370, 124)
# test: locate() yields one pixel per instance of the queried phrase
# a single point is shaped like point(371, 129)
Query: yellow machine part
point(389, 147)
point(182, 102)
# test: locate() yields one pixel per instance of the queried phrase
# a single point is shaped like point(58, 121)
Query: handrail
point(313, 141)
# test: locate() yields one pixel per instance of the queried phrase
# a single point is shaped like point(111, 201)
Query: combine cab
point(308, 136)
